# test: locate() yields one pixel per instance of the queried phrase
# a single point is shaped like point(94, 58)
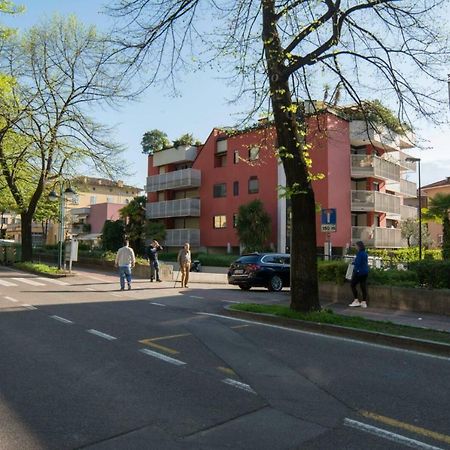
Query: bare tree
point(56, 71)
point(284, 52)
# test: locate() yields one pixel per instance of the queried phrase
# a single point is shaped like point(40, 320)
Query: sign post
point(328, 225)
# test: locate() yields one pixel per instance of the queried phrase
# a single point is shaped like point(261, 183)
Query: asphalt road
point(85, 366)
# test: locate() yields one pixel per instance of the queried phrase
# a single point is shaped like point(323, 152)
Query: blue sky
point(204, 102)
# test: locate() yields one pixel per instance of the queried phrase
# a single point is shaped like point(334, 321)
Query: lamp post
point(412, 159)
point(69, 194)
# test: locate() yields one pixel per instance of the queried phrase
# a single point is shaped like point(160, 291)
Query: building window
point(253, 185)
point(235, 188)
point(109, 200)
point(220, 160)
point(222, 146)
point(235, 217)
point(236, 156)
point(93, 200)
point(220, 190)
point(253, 153)
point(220, 221)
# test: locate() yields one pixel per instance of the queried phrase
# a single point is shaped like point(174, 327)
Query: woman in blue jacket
point(360, 273)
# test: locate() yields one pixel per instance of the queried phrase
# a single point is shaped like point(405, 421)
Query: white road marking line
point(7, 283)
point(157, 304)
point(326, 336)
point(165, 358)
point(61, 319)
point(239, 385)
point(230, 301)
point(196, 296)
point(28, 281)
point(380, 432)
point(28, 306)
point(102, 335)
point(90, 289)
point(53, 281)
point(11, 299)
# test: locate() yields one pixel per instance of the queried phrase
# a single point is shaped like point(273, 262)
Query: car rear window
point(250, 259)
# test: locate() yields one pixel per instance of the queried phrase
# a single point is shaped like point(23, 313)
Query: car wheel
point(245, 287)
point(275, 284)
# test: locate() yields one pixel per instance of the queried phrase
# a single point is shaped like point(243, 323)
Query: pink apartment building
point(196, 191)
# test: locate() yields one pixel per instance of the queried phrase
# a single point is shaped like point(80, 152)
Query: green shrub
point(333, 271)
point(404, 278)
point(432, 273)
point(403, 255)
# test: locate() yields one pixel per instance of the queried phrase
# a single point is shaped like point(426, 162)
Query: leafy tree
point(253, 226)
point(438, 211)
point(155, 230)
point(46, 212)
point(282, 52)
point(133, 216)
point(56, 72)
point(113, 234)
point(410, 232)
point(154, 141)
point(185, 139)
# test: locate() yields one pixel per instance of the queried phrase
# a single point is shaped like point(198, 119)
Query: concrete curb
point(419, 345)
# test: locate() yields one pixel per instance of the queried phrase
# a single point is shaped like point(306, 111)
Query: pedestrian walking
point(184, 260)
point(125, 261)
point(360, 273)
point(152, 256)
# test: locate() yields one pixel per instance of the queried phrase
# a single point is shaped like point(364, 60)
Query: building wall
point(102, 212)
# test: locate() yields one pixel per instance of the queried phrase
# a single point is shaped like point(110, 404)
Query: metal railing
point(373, 166)
point(179, 236)
point(408, 212)
point(185, 207)
point(378, 237)
point(178, 179)
point(375, 201)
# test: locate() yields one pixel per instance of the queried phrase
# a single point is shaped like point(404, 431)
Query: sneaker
point(159, 281)
point(363, 304)
point(355, 302)
point(151, 280)
point(129, 286)
point(122, 289)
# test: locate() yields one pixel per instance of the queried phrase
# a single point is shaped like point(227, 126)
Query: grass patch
point(39, 268)
point(360, 323)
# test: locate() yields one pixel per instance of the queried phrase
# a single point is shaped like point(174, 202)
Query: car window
point(249, 259)
point(286, 260)
point(269, 259)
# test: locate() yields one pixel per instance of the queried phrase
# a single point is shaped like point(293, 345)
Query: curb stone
point(419, 345)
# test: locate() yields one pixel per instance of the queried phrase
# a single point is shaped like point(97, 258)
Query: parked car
point(270, 270)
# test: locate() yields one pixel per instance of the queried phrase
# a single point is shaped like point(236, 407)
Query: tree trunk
point(27, 236)
point(291, 136)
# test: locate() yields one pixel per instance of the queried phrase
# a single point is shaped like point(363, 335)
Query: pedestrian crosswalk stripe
point(6, 283)
point(28, 281)
point(53, 281)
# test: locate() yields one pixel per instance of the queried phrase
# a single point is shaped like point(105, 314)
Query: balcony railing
point(183, 153)
point(375, 201)
point(80, 211)
point(178, 179)
point(378, 237)
point(185, 207)
point(179, 236)
point(364, 166)
point(362, 133)
point(408, 212)
point(404, 187)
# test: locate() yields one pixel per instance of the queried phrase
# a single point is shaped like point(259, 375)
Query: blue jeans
point(124, 272)
point(154, 269)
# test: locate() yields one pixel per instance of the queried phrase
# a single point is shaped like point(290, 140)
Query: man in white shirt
point(125, 260)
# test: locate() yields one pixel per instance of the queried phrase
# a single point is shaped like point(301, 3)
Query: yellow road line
point(151, 343)
point(174, 336)
point(226, 370)
point(406, 426)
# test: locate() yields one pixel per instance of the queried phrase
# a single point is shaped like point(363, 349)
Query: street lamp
point(412, 159)
point(69, 194)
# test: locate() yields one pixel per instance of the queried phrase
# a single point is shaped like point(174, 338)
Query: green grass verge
point(360, 323)
point(39, 268)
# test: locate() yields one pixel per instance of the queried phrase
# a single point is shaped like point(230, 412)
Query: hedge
point(432, 274)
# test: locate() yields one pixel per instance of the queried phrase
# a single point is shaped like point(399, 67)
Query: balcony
point(407, 140)
point(178, 237)
point(80, 212)
point(362, 133)
point(185, 207)
point(405, 188)
point(175, 155)
point(408, 212)
point(378, 237)
point(364, 166)
point(376, 201)
point(178, 179)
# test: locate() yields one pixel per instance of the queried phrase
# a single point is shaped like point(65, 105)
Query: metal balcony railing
point(179, 236)
point(364, 166)
point(375, 201)
point(408, 212)
point(185, 207)
point(404, 187)
point(178, 179)
point(378, 237)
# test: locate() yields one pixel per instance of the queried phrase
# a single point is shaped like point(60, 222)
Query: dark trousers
point(362, 281)
point(154, 269)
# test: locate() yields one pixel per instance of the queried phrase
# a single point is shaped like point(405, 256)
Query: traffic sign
point(328, 220)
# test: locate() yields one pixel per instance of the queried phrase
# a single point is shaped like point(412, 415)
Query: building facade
point(197, 191)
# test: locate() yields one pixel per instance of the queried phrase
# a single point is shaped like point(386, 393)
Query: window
point(220, 160)
point(221, 146)
point(109, 200)
point(220, 221)
point(253, 185)
point(236, 156)
point(220, 190)
point(235, 218)
point(253, 153)
point(93, 200)
point(236, 188)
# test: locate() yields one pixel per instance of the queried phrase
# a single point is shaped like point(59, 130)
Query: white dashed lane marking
point(6, 283)
point(157, 304)
point(102, 335)
point(61, 319)
point(165, 358)
point(239, 385)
